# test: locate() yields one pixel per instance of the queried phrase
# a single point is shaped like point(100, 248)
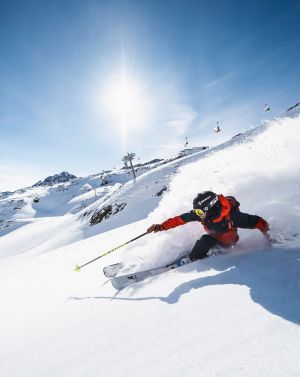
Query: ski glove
point(154, 228)
point(263, 226)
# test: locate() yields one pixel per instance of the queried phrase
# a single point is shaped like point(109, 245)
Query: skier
point(220, 217)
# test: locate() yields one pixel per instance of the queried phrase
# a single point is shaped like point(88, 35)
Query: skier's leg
point(202, 247)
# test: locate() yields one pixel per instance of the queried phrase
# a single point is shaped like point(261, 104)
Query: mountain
point(54, 179)
point(236, 314)
point(60, 195)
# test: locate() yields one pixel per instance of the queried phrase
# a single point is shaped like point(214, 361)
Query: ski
point(120, 282)
point(112, 269)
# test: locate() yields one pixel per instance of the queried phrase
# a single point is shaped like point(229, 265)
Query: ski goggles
point(199, 213)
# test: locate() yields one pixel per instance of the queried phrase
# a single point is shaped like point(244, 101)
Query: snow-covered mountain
point(236, 314)
point(54, 179)
point(60, 195)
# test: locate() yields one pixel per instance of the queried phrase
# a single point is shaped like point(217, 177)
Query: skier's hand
point(154, 228)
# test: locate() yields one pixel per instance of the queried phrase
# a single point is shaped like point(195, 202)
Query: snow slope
point(58, 196)
point(261, 170)
point(236, 314)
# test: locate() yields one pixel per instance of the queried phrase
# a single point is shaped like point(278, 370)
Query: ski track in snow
point(236, 314)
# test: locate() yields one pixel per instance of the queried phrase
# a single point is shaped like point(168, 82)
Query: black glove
point(154, 228)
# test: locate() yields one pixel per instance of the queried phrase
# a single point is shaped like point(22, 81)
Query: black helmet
point(205, 201)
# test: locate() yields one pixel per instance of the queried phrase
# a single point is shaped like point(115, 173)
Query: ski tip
point(77, 268)
point(115, 284)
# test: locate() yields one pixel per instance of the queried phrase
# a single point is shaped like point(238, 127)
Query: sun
point(123, 99)
point(124, 103)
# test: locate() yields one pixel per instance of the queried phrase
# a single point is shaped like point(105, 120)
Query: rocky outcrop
point(54, 179)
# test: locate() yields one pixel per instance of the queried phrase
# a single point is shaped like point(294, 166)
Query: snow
point(56, 199)
point(236, 314)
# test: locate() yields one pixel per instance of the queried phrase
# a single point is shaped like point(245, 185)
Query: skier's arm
point(244, 220)
point(173, 222)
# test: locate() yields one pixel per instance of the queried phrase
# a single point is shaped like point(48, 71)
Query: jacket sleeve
point(179, 220)
point(244, 220)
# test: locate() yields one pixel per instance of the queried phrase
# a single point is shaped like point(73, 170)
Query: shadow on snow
point(273, 278)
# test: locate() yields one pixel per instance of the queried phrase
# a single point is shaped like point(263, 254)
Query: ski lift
point(217, 128)
point(186, 142)
point(267, 108)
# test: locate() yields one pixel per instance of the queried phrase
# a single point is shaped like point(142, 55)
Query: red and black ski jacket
point(223, 224)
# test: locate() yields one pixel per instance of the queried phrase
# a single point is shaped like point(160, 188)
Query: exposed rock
point(159, 193)
point(105, 212)
point(57, 178)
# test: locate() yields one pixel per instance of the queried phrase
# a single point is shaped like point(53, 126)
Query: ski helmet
point(205, 201)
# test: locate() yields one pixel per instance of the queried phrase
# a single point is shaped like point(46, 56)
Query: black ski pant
point(202, 247)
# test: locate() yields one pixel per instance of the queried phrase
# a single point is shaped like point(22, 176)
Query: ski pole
point(77, 268)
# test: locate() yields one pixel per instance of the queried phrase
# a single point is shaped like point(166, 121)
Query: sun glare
point(123, 99)
point(124, 104)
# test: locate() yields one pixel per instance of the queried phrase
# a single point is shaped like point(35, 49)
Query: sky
point(84, 82)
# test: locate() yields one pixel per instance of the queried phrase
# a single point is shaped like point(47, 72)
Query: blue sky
point(189, 64)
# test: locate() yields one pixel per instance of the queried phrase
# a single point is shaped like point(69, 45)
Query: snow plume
point(261, 170)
